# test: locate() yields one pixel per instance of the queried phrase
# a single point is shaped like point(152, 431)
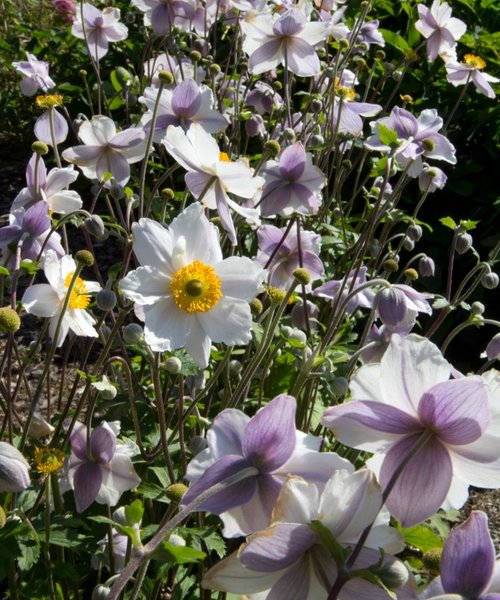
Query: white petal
point(153, 245)
point(241, 277)
point(41, 300)
point(166, 326)
point(146, 285)
point(230, 321)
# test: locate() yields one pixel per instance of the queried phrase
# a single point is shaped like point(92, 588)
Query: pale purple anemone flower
point(369, 34)
point(289, 254)
point(468, 566)
point(417, 138)
point(30, 227)
point(437, 433)
point(162, 15)
point(51, 188)
point(431, 179)
point(348, 284)
point(288, 559)
point(269, 443)
point(287, 39)
point(460, 73)
point(264, 98)
point(379, 338)
point(347, 112)
point(14, 469)
point(51, 127)
point(35, 75)
point(293, 184)
point(399, 304)
point(492, 351)
point(187, 103)
point(106, 151)
point(98, 28)
point(100, 470)
point(439, 28)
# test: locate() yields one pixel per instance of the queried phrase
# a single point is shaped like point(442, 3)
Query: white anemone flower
point(47, 299)
point(185, 292)
point(212, 174)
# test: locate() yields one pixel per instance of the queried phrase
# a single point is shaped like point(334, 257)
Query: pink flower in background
point(98, 28)
point(440, 29)
point(66, 9)
point(35, 75)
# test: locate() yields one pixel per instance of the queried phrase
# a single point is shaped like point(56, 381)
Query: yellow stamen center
point(49, 101)
point(48, 460)
point(196, 287)
point(224, 157)
point(476, 62)
point(79, 295)
point(346, 93)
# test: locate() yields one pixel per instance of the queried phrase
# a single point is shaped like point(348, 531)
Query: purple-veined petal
point(186, 99)
point(234, 495)
point(266, 57)
point(78, 441)
point(457, 410)
point(360, 424)
point(294, 584)
point(86, 483)
point(468, 558)
point(102, 444)
point(118, 476)
point(226, 433)
point(269, 438)
point(113, 162)
point(302, 58)
point(293, 161)
point(277, 547)
point(421, 487)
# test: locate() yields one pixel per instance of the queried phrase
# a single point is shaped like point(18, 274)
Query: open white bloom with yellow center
point(185, 292)
point(47, 299)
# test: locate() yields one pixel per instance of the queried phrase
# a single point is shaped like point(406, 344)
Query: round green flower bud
point(82, 73)
point(235, 368)
point(123, 76)
point(173, 365)
point(315, 141)
point(339, 386)
point(463, 243)
point(243, 67)
point(316, 105)
point(489, 281)
point(380, 55)
point(343, 44)
point(411, 274)
point(85, 258)
point(175, 492)
point(256, 307)
point(132, 333)
point(10, 321)
point(272, 147)
point(95, 226)
point(106, 299)
point(277, 86)
point(391, 265)
point(214, 69)
point(394, 575)
point(166, 77)
point(477, 308)
point(40, 148)
point(302, 276)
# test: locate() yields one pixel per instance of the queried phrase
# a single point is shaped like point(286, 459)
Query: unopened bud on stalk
point(173, 365)
point(10, 321)
point(289, 134)
point(477, 309)
point(414, 232)
point(175, 492)
point(463, 243)
point(132, 333)
point(394, 575)
point(408, 244)
point(489, 281)
point(235, 368)
point(95, 226)
point(195, 56)
point(380, 55)
point(82, 73)
point(214, 69)
point(339, 386)
point(197, 444)
point(316, 140)
point(85, 258)
point(40, 148)
point(316, 105)
point(14, 469)
point(343, 44)
point(100, 592)
point(167, 194)
point(390, 303)
point(106, 299)
point(426, 266)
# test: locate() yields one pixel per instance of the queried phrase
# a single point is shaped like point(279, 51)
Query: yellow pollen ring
point(196, 287)
point(224, 157)
point(79, 295)
point(49, 101)
point(476, 62)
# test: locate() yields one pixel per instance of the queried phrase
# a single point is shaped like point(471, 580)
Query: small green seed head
point(166, 77)
point(272, 147)
point(256, 307)
point(85, 258)
point(276, 295)
point(214, 69)
point(40, 148)
point(175, 492)
point(391, 265)
point(432, 559)
point(10, 321)
point(302, 275)
point(195, 56)
point(411, 274)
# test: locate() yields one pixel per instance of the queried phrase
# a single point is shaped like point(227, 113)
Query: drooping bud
point(414, 232)
point(490, 281)
point(95, 226)
point(132, 333)
point(298, 315)
point(426, 266)
point(106, 299)
point(390, 303)
point(197, 444)
point(173, 365)
point(394, 575)
point(477, 309)
point(463, 243)
point(14, 469)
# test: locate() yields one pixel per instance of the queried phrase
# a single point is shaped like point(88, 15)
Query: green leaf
point(395, 40)
point(387, 136)
point(4, 271)
point(134, 512)
point(178, 555)
point(338, 552)
point(31, 267)
point(422, 538)
point(448, 222)
point(30, 552)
